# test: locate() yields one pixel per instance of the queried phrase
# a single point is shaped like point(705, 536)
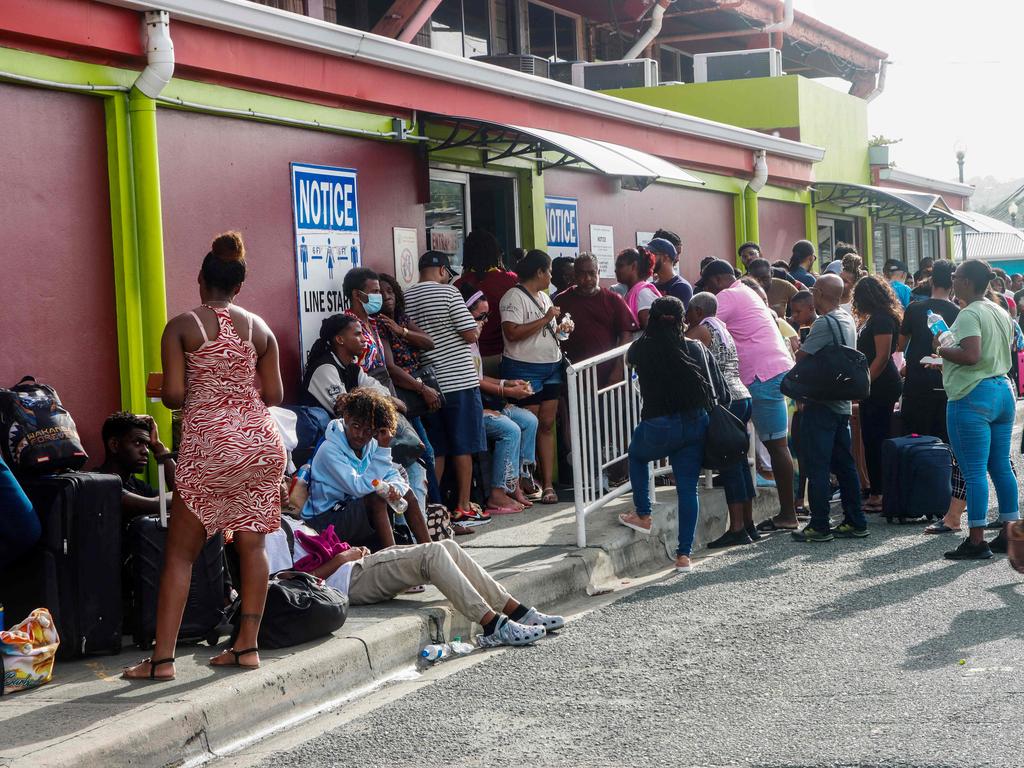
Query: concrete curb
point(212, 718)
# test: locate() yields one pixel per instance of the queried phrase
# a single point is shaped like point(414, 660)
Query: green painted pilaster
point(739, 213)
point(750, 207)
point(149, 222)
point(532, 224)
point(811, 225)
point(868, 246)
point(127, 285)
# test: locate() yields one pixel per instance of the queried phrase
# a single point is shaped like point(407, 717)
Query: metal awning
point(551, 149)
point(904, 205)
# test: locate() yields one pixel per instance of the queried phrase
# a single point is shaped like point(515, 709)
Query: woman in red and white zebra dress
point(231, 460)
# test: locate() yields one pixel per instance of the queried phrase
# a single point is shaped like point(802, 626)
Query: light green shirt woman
point(992, 324)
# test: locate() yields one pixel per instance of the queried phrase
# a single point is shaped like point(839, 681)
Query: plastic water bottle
point(384, 491)
point(565, 327)
point(939, 328)
point(2, 627)
point(434, 653)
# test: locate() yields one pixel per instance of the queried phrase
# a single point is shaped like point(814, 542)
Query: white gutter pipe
point(159, 54)
point(657, 19)
point(760, 178)
point(880, 85)
point(787, 20)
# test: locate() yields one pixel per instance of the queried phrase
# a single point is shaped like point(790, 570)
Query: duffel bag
point(300, 608)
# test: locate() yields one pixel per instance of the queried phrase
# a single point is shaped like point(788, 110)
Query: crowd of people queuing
point(468, 368)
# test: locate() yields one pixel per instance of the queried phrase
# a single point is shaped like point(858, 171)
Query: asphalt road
point(872, 652)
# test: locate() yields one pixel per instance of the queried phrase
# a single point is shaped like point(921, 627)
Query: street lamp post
point(1013, 213)
point(961, 152)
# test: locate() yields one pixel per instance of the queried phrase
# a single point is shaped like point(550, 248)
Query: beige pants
point(446, 565)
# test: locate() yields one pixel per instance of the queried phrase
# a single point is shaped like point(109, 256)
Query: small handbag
point(300, 608)
point(726, 442)
point(415, 405)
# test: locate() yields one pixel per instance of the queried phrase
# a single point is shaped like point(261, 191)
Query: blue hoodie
point(337, 474)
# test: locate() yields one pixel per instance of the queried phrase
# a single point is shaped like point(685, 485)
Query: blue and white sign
point(562, 215)
point(326, 216)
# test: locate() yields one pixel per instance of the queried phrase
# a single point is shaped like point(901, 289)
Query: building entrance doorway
point(832, 230)
point(463, 202)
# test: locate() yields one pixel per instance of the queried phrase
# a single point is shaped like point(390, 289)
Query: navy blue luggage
point(916, 478)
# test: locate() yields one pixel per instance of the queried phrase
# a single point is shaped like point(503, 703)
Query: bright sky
point(955, 76)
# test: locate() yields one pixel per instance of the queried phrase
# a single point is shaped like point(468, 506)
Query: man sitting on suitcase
point(356, 453)
point(128, 439)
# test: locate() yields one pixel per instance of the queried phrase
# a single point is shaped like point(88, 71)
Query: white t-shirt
point(280, 558)
point(517, 307)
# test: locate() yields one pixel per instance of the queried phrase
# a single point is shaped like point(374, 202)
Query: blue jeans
point(980, 424)
point(736, 480)
point(514, 431)
point(433, 489)
point(681, 438)
point(825, 444)
point(19, 524)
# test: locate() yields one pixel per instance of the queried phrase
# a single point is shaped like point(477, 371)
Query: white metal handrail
point(601, 423)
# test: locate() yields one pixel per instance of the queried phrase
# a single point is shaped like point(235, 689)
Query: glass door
point(448, 213)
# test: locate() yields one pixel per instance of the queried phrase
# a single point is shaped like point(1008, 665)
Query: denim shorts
point(458, 428)
point(545, 378)
point(770, 414)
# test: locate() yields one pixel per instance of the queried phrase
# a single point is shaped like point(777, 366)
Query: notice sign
point(602, 244)
point(324, 203)
point(562, 215)
point(406, 260)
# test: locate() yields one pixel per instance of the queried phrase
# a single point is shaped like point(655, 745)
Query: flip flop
point(770, 526)
point(503, 510)
point(416, 590)
point(940, 527)
point(461, 530)
point(549, 497)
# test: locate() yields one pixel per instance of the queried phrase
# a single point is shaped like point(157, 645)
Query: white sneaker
point(535, 618)
point(509, 632)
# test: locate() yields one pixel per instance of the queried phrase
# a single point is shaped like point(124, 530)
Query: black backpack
point(836, 372)
point(36, 433)
point(300, 608)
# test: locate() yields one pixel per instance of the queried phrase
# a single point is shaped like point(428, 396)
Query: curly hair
point(874, 296)
point(121, 423)
point(372, 408)
point(853, 264)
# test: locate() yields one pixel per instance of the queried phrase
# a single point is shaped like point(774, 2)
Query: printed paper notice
point(406, 260)
point(602, 245)
point(643, 238)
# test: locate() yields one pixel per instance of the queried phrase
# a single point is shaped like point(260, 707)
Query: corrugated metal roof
point(993, 240)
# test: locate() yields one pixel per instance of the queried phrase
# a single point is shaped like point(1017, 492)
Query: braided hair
point(671, 380)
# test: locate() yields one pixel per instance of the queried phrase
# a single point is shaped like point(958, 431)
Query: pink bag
point(320, 549)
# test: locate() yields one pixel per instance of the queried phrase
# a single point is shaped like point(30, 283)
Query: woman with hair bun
point(633, 267)
point(981, 407)
point(231, 461)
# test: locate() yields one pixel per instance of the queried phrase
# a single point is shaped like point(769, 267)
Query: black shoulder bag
point(726, 442)
point(836, 372)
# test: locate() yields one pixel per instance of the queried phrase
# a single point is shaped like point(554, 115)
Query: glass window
point(930, 244)
point(446, 27)
point(552, 35)
point(878, 246)
point(476, 27)
point(895, 242)
point(913, 238)
point(446, 218)
point(565, 38)
point(668, 65)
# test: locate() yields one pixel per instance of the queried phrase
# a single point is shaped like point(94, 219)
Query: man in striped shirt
point(457, 429)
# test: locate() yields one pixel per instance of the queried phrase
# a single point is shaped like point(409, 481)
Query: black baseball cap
point(437, 259)
point(895, 265)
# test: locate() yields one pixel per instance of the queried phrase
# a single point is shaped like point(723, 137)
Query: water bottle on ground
point(939, 328)
point(384, 491)
point(434, 653)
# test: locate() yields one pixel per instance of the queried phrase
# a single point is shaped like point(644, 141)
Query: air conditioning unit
point(562, 71)
point(737, 65)
point(606, 75)
point(528, 65)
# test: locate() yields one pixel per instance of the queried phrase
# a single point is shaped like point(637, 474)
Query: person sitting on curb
point(376, 578)
point(127, 440)
point(355, 453)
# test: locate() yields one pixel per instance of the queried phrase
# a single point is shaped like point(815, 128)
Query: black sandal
point(770, 526)
point(238, 655)
point(152, 671)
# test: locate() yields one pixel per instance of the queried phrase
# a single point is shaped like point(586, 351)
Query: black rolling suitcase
point(75, 569)
point(204, 617)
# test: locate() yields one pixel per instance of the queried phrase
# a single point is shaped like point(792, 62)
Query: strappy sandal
point(238, 656)
point(152, 671)
point(549, 497)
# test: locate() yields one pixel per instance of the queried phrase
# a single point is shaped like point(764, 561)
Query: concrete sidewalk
point(88, 716)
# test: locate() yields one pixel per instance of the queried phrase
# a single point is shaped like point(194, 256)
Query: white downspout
point(881, 83)
point(657, 19)
point(787, 20)
point(760, 177)
point(159, 54)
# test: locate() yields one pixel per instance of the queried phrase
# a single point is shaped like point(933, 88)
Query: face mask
point(373, 303)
